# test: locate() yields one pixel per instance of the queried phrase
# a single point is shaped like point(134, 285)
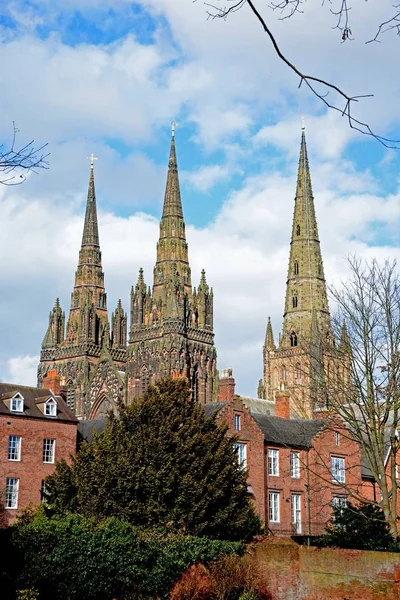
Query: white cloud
point(206, 177)
point(22, 369)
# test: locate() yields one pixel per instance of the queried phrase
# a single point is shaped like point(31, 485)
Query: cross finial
point(92, 158)
point(303, 124)
point(173, 126)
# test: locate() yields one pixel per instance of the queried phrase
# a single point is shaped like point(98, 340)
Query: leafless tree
point(16, 161)
point(369, 303)
point(330, 94)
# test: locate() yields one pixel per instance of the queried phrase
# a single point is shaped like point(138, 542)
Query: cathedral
point(171, 323)
point(171, 326)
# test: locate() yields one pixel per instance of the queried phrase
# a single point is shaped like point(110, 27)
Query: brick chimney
point(226, 390)
point(52, 381)
point(282, 404)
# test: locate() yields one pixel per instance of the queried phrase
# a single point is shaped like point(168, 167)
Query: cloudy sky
point(109, 76)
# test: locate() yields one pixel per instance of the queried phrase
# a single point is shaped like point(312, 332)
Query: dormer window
point(50, 408)
point(17, 403)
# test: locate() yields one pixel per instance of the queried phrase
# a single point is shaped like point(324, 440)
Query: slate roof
point(258, 406)
point(297, 433)
point(212, 407)
point(32, 397)
point(86, 429)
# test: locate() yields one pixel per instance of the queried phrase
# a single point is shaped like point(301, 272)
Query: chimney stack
point(282, 404)
point(226, 390)
point(52, 381)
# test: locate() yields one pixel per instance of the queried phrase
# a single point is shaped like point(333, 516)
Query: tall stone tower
point(75, 354)
point(171, 330)
point(306, 350)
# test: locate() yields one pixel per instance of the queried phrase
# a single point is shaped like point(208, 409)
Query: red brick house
point(297, 469)
point(37, 429)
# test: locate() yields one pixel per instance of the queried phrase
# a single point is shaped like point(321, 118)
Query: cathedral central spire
point(172, 250)
point(172, 325)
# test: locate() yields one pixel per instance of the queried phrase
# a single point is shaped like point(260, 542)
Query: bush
point(75, 558)
point(360, 527)
point(228, 578)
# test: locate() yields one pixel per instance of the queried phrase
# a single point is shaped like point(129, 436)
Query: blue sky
point(109, 77)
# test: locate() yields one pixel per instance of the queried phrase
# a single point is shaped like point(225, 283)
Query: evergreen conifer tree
point(160, 463)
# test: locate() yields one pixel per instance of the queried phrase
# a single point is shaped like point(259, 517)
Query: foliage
point(27, 594)
point(363, 528)
point(228, 578)
point(162, 462)
point(77, 558)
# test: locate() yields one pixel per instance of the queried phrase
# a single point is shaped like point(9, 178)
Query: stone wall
point(294, 572)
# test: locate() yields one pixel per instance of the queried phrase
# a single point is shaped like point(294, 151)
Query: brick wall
point(294, 572)
point(250, 435)
point(31, 470)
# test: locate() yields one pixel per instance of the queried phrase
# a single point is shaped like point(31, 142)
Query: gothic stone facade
point(88, 342)
point(171, 330)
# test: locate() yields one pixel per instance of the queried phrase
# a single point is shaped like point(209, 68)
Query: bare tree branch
point(318, 86)
point(16, 162)
point(392, 23)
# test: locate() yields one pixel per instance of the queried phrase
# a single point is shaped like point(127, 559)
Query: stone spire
point(90, 235)
point(305, 287)
point(269, 336)
point(88, 299)
point(172, 265)
point(55, 331)
point(345, 345)
point(171, 331)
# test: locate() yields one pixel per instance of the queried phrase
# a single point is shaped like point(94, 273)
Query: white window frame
point(338, 501)
point(237, 422)
point(52, 405)
point(295, 465)
point(241, 453)
point(16, 446)
point(46, 450)
point(296, 511)
point(17, 403)
point(338, 469)
point(43, 491)
point(273, 507)
point(273, 462)
point(12, 489)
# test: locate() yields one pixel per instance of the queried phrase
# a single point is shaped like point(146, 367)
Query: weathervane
point(303, 125)
point(173, 126)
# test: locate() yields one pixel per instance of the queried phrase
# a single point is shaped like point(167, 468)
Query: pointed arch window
point(71, 395)
point(293, 339)
point(296, 267)
point(294, 300)
point(298, 372)
point(298, 230)
point(283, 373)
point(144, 380)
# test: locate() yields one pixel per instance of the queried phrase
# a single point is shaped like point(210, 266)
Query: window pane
point(237, 422)
point(12, 484)
point(295, 465)
point(48, 450)
point(274, 507)
point(273, 462)
point(241, 451)
point(14, 447)
point(338, 469)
